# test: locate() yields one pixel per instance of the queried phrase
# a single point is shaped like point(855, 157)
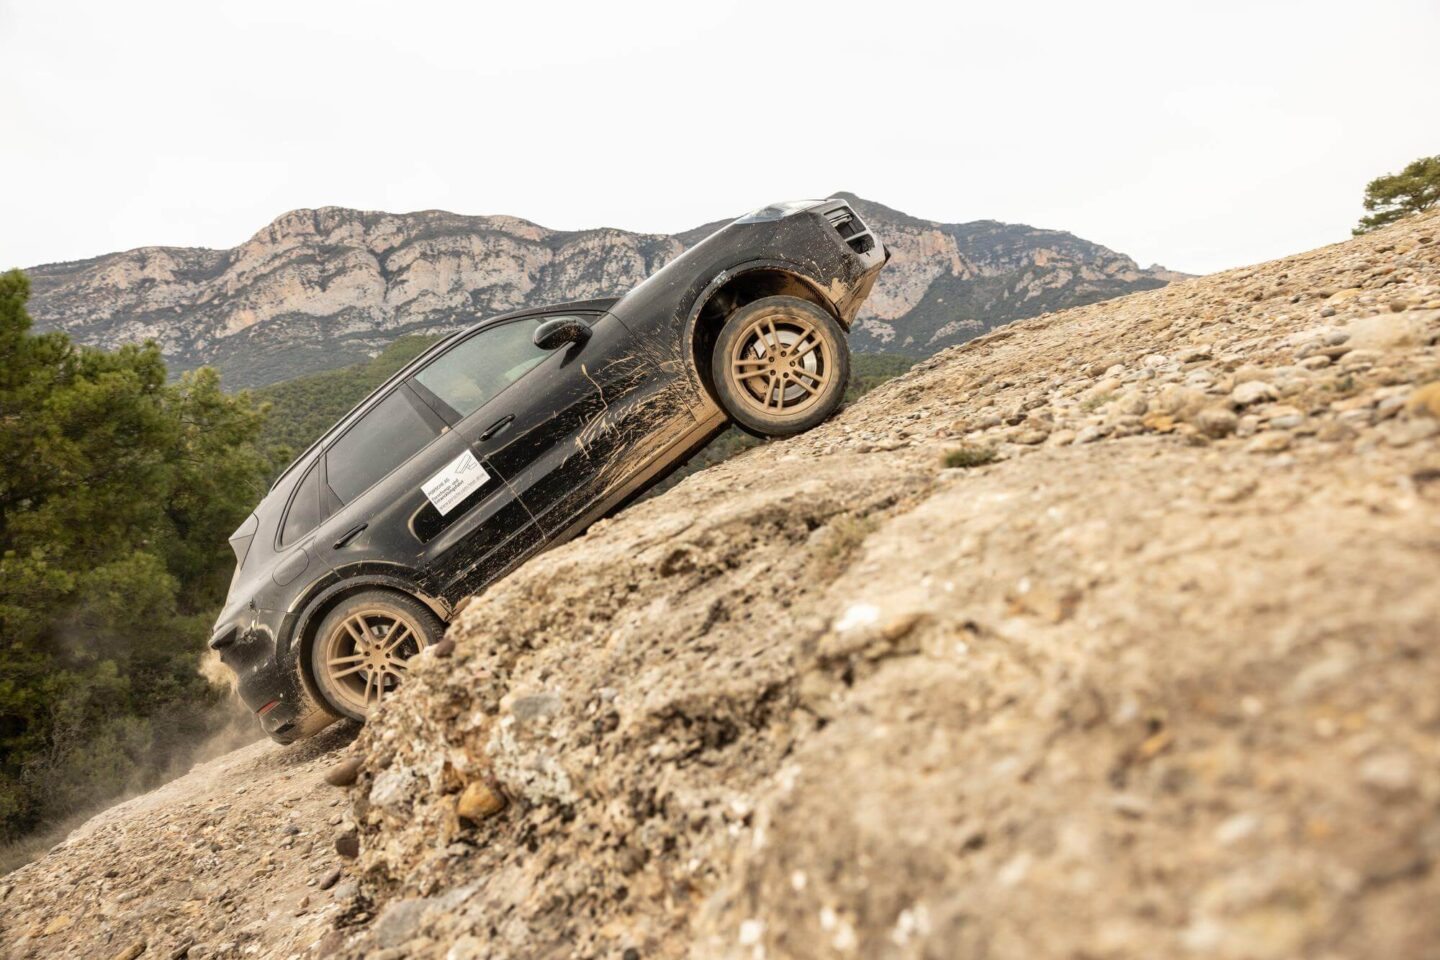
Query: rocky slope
point(1109, 634)
point(319, 288)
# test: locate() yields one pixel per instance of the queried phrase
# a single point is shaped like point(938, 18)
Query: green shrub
point(968, 455)
point(118, 491)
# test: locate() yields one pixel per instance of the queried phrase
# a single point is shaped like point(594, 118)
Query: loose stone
point(479, 801)
point(1425, 401)
point(1269, 443)
point(345, 773)
point(1251, 392)
point(348, 845)
point(1216, 422)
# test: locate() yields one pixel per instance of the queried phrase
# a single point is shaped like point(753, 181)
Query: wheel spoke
point(357, 634)
point(347, 658)
point(774, 335)
point(337, 674)
point(753, 375)
point(762, 342)
point(398, 632)
point(809, 346)
point(805, 386)
point(749, 362)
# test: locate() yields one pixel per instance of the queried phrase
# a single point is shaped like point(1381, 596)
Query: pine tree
point(117, 492)
point(1396, 195)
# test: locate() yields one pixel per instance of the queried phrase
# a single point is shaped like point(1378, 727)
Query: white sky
point(1199, 135)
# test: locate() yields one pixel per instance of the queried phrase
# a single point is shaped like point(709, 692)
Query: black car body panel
point(568, 436)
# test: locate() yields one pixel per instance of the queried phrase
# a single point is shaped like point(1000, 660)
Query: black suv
point(517, 434)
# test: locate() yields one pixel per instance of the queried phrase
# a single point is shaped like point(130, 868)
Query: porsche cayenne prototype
point(515, 435)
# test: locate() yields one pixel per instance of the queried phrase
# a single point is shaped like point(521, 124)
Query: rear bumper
point(267, 681)
point(289, 722)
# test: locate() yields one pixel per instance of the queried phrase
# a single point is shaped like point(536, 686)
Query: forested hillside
point(305, 407)
point(117, 493)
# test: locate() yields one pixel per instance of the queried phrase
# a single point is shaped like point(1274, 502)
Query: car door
point(519, 409)
point(535, 414)
point(383, 477)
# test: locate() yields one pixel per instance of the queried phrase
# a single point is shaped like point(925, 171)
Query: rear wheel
point(364, 646)
point(780, 366)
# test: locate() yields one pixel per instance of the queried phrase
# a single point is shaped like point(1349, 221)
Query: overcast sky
point(1199, 135)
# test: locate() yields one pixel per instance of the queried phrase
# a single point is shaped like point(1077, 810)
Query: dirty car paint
point(590, 427)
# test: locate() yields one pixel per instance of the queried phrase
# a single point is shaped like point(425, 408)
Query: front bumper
point(863, 255)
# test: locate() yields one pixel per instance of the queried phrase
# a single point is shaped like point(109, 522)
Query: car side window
point(469, 374)
point(390, 433)
point(304, 510)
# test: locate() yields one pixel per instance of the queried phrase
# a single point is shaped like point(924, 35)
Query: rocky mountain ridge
point(316, 289)
point(1111, 634)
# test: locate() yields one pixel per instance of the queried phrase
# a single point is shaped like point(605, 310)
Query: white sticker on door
point(460, 478)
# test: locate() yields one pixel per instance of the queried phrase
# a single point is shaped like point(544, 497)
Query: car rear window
point(389, 434)
point(304, 510)
point(473, 371)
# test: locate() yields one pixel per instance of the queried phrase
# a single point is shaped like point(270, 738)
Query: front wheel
point(780, 366)
point(364, 646)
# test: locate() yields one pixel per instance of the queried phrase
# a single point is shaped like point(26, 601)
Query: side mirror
point(553, 334)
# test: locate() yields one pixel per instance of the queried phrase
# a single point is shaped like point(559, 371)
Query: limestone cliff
point(318, 288)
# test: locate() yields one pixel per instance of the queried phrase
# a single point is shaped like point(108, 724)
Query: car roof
point(598, 305)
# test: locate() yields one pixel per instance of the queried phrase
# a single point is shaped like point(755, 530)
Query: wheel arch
point(735, 288)
point(326, 596)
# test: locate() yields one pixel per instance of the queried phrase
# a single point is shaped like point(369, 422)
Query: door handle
point(498, 427)
point(350, 534)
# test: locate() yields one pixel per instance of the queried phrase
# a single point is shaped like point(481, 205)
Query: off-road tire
point(780, 366)
point(354, 681)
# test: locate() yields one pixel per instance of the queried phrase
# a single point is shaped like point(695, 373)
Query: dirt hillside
point(1113, 633)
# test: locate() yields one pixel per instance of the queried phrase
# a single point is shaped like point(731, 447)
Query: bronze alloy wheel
point(780, 366)
point(779, 363)
point(363, 648)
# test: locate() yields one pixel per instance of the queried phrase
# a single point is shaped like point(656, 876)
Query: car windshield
point(475, 370)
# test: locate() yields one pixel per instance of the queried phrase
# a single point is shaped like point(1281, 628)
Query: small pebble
point(132, 951)
point(1391, 774)
point(1425, 401)
point(479, 801)
point(1252, 391)
point(1272, 442)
